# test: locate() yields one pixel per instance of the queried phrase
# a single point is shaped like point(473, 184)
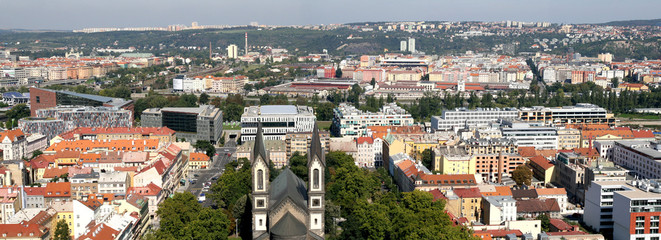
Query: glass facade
point(180, 122)
point(71, 100)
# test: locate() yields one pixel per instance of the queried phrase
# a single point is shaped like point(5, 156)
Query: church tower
point(316, 188)
point(260, 185)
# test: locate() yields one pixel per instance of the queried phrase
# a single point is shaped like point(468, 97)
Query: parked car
point(201, 198)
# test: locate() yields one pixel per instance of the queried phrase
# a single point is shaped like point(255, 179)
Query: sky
point(78, 14)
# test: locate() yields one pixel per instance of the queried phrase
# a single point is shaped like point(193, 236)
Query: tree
point(205, 145)
point(373, 82)
point(338, 73)
point(522, 175)
point(615, 82)
point(546, 222)
point(18, 111)
point(62, 231)
point(204, 98)
point(183, 218)
point(427, 159)
point(299, 165)
point(231, 185)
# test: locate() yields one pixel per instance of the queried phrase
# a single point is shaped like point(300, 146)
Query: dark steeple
point(315, 146)
point(259, 150)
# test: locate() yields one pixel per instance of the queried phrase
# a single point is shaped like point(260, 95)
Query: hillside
point(649, 22)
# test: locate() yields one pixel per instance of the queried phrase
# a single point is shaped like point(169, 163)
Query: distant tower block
point(461, 86)
point(412, 45)
point(402, 46)
point(246, 43)
point(232, 51)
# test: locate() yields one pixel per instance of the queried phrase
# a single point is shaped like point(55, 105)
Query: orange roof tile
point(542, 162)
point(201, 157)
point(551, 191)
point(12, 135)
point(115, 145)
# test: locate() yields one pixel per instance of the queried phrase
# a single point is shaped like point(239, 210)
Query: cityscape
point(504, 129)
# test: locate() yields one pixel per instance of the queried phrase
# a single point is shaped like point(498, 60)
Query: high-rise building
point(402, 46)
point(412, 45)
point(232, 51)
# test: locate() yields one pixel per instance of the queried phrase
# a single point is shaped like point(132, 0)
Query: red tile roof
point(58, 189)
point(156, 131)
point(101, 231)
point(542, 162)
point(362, 140)
point(468, 192)
point(35, 191)
point(198, 157)
point(561, 225)
point(643, 134)
point(22, 230)
point(12, 135)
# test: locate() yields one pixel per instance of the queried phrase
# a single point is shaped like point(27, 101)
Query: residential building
point(193, 124)
point(10, 202)
point(493, 167)
point(300, 142)
point(569, 138)
point(277, 121)
point(233, 51)
point(163, 134)
point(498, 209)
point(34, 197)
point(453, 160)
point(113, 182)
point(276, 150)
point(532, 208)
point(198, 160)
point(643, 158)
point(83, 185)
point(370, 154)
point(465, 202)
point(559, 194)
point(463, 118)
point(76, 116)
point(542, 169)
point(12, 144)
point(349, 121)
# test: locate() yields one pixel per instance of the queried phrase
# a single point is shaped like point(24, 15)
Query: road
point(216, 168)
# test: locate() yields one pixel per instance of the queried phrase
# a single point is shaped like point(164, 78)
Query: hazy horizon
point(78, 14)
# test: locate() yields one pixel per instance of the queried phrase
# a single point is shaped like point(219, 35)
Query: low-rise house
point(532, 208)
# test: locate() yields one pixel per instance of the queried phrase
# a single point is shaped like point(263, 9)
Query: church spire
point(316, 150)
point(259, 150)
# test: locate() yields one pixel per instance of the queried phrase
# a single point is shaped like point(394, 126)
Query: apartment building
point(525, 134)
point(276, 120)
point(349, 121)
point(300, 142)
point(643, 158)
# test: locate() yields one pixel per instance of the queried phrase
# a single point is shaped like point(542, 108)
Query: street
point(214, 170)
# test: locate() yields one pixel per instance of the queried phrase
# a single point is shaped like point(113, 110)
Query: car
point(226, 150)
point(201, 198)
point(214, 178)
point(196, 175)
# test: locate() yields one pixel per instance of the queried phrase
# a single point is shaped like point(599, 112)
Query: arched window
point(260, 179)
point(315, 177)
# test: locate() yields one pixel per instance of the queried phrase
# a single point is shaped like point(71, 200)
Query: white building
point(113, 182)
point(628, 210)
point(402, 46)
point(412, 45)
point(350, 121)
point(526, 135)
point(641, 157)
point(462, 117)
point(369, 152)
point(82, 216)
point(12, 144)
point(498, 209)
point(605, 148)
point(232, 51)
point(277, 121)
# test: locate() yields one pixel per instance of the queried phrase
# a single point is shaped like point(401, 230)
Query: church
point(288, 207)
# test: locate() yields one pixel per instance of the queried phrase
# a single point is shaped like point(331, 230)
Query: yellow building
point(569, 138)
point(64, 211)
point(465, 202)
point(198, 161)
point(542, 169)
point(453, 162)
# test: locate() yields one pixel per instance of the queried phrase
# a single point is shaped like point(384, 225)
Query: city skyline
point(76, 14)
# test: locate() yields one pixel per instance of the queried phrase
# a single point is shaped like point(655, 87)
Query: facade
point(493, 167)
point(285, 208)
point(579, 114)
point(369, 154)
point(526, 135)
point(569, 138)
point(13, 144)
point(232, 51)
point(542, 169)
point(643, 158)
point(76, 116)
point(193, 124)
point(83, 185)
point(301, 142)
point(624, 209)
point(113, 182)
point(462, 117)
point(163, 134)
point(349, 121)
point(198, 161)
point(46, 98)
point(465, 202)
point(498, 209)
point(277, 121)
point(276, 150)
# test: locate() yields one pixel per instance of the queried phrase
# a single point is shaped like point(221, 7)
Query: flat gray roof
point(278, 109)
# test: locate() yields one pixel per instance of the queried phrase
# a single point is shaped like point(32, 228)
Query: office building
point(582, 113)
point(193, 124)
point(350, 121)
point(624, 209)
point(643, 158)
point(232, 51)
point(462, 117)
point(46, 98)
point(535, 136)
point(277, 121)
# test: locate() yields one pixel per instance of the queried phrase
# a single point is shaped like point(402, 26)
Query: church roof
point(289, 226)
point(315, 146)
point(288, 185)
point(259, 149)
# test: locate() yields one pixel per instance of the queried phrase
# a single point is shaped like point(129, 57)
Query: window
point(316, 202)
point(38, 99)
point(260, 181)
point(315, 177)
point(260, 222)
point(260, 203)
